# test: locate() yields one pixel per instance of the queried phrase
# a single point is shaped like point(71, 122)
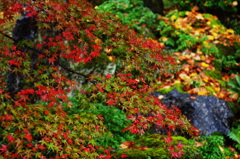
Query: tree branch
point(30, 48)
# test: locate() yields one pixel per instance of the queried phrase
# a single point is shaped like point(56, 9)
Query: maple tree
point(71, 34)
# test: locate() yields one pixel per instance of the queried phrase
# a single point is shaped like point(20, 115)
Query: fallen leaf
point(193, 97)
point(235, 96)
point(199, 144)
point(190, 61)
point(220, 148)
point(127, 144)
point(204, 64)
point(184, 76)
point(160, 97)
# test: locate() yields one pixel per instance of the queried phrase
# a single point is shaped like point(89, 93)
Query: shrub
point(235, 136)
point(230, 8)
point(213, 147)
point(33, 119)
point(131, 13)
point(195, 31)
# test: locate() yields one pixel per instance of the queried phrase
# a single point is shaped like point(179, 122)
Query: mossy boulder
point(154, 147)
point(179, 87)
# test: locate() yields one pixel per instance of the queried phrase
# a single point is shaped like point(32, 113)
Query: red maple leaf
point(41, 147)
point(3, 148)
point(10, 138)
point(8, 117)
point(28, 137)
point(168, 140)
point(108, 76)
point(110, 102)
point(123, 156)
point(13, 62)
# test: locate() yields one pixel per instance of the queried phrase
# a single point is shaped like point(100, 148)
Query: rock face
point(207, 113)
point(25, 29)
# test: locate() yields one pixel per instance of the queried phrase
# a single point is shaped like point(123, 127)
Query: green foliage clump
point(235, 136)
point(178, 87)
point(224, 5)
point(115, 121)
point(213, 74)
point(230, 8)
point(113, 118)
point(193, 30)
point(154, 147)
point(235, 85)
point(213, 147)
point(131, 13)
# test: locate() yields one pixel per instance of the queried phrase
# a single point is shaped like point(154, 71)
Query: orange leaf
point(193, 97)
point(199, 144)
point(235, 96)
point(127, 144)
point(190, 61)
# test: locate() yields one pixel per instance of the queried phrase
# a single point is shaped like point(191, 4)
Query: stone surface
point(207, 113)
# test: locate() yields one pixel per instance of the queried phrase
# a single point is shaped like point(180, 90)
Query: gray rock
point(207, 113)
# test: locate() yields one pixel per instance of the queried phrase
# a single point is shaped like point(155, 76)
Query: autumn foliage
point(34, 121)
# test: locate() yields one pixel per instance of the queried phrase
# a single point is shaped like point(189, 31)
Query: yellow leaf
point(164, 38)
point(235, 3)
point(110, 58)
point(173, 17)
point(193, 74)
point(1, 15)
point(184, 76)
point(204, 78)
point(217, 89)
point(220, 148)
point(122, 146)
point(176, 82)
point(201, 91)
point(210, 37)
point(230, 31)
point(199, 16)
point(97, 41)
point(215, 35)
point(204, 64)
point(108, 50)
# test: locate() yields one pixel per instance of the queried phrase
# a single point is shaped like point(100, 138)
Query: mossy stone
point(155, 148)
point(178, 87)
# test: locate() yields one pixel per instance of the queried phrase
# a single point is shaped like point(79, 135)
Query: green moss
point(217, 63)
point(158, 149)
point(177, 86)
point(222, 83)
point(213, 74)
point(210, 89)
point(226, 50)
point(152, 153)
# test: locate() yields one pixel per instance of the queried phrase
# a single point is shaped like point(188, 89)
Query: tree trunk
point(156, 6)
point(96, 2)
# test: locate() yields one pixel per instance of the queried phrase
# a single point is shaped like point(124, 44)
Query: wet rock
point(207, 113)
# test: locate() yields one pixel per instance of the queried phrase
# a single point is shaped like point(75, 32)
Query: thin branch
point(30, 48)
